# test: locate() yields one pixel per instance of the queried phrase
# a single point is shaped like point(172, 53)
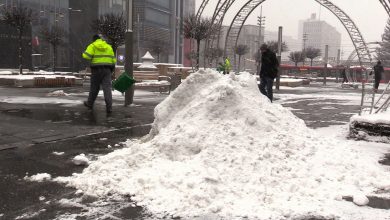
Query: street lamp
point(129, 94)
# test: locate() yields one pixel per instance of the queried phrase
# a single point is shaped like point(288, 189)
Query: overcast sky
point(369, 16)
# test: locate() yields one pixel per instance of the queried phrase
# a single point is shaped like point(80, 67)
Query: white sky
point(369, 16)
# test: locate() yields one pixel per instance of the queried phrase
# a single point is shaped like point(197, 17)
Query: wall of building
point(155, 22)
point(318, 34)
point(9, 53)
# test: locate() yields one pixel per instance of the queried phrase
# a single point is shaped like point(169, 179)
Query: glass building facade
point(155, 22)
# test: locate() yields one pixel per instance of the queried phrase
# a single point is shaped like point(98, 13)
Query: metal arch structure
point(201, 8)
point(360, 45)
point(235, 27)
point(353, 54)
point(386, 5)
point(219, 14)
point(354, 33)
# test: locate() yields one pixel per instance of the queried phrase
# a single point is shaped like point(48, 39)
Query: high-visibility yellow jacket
point(100, 53)
point(228, 66)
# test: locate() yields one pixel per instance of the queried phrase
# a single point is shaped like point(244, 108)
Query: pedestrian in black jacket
point(268, 71)
point(378, 70)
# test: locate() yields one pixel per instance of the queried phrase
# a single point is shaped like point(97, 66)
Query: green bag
point(123, 82)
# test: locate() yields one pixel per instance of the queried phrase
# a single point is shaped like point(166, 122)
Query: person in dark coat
point(378, 70)
point(344, 75)
point(268, 71)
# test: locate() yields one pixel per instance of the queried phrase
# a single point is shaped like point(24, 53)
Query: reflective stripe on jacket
point(100, 53)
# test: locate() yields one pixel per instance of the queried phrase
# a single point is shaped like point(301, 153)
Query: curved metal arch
point(386, 6)
point(201, 8)
point(353, 54)
point(219, 16)
point(235, 27)
point(357, 39)
point(354, 33)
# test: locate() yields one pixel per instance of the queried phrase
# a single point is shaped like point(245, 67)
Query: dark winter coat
point(269, 64)
point(378, 70)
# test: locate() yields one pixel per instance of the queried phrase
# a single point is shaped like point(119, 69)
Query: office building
point(316, 33)
point(156, 23)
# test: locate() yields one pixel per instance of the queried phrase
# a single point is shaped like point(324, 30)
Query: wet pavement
point(30, 133)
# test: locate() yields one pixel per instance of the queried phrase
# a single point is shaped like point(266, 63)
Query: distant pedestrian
point(344, 75)
point(228, 66)
point(102, 61)
point(268, 71)
point(378, 70)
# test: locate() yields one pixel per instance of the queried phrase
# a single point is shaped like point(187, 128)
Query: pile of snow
point(57, 93)
point(218, 147)
point(379, 118)
point(40, 177)
point(80, 160)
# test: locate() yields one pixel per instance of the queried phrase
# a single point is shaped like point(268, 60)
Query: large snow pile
point(218, 147)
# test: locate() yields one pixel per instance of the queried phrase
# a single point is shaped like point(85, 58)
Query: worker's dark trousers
point(101, 76)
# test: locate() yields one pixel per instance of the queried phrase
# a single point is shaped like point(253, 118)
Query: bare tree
point(296, 57)
point(241, 50)
point(55, 37)
point(191, 56)
point(312, 53)
point(112, 27)
point(159, 47)
point(273, 46)
point(383, 50)
point(198, 29)
point(19, 17)
point(213, 54)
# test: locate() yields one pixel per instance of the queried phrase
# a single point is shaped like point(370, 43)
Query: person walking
point(378, 70)
point(268, 71)
point(102, 62)
point(344, 75)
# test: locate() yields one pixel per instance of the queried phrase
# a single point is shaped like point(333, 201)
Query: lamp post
point(304, 38)
point(129, 94)
point(261, 23)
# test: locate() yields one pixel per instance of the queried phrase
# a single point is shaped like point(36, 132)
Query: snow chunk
point(40, 177)
point(360, 199)
point(80, 160)
point(57, 93)
point(58, 153)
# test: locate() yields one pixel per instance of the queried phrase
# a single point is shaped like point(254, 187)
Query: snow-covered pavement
point(219, 150)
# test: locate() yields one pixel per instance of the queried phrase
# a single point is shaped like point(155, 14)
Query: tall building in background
point(316, 33)
point(157, 27)
point(291, 43)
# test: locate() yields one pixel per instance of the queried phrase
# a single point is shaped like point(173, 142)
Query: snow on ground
point(66, 99)
point(57, 93)
point(346, 98)
point(379, 118)
point(58, 153)
point(80, 160)
point(29, 77)
point(5, 72)
point(40, 177)
point(217, 147)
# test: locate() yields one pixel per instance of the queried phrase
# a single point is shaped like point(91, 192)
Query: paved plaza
point(34, 125)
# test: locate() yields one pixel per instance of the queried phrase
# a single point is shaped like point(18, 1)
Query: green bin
point(123, 82)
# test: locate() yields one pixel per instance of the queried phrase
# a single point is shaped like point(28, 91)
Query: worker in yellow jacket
point(102, 61)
